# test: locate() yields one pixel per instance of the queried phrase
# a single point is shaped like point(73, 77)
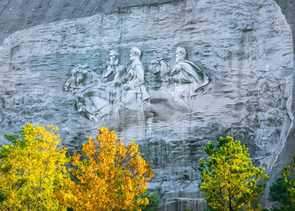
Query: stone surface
point(288, 9)
point(184, 204)
point(21, 14)
point(245, 48)
point(118, 89)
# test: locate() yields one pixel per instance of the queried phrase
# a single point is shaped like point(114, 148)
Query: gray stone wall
point(245, 48)
point(21, 14)
point(288, 9)
point(286, 156)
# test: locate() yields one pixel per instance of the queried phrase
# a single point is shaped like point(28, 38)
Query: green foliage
point(12, 138)
point(279, 192)
point(283, 190)
point(2, 197)
point(154, 201)
point(229, 179)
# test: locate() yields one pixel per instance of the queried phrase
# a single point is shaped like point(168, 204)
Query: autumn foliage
point(32, 171)
point(109, 175)
point(36, 174)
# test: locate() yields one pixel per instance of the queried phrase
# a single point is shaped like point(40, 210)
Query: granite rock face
point(21, 14)
point(288, 8)
point(244, 47)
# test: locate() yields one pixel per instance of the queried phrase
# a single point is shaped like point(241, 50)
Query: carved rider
point(112, 78)
point(153, 76)
point(134, 88)
point(187, 74)
point(114, 70)
point(77, 80)
point(95, 96)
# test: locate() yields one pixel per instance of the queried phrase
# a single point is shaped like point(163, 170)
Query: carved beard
point(179, 59)
point(134, 59)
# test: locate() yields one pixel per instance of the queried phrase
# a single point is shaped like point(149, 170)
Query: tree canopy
point(229, 179)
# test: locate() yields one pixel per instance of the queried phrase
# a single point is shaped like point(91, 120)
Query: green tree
point(154, 201)
point(283, 190)
point(229, 179)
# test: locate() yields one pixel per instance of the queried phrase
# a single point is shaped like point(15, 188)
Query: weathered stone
point(20, 14)
point(184, 204)
point(287, 154)
point(288, 8)
point(245, 48)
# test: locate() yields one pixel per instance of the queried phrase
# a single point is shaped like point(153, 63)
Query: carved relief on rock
point(2, 106)
point(133, 88)
point(91, 95)
point(134, 91)
point(187, 76)
point(186, 79)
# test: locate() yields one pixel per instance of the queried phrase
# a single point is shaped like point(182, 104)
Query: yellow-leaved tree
point(32, 171)
point(109, 175)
